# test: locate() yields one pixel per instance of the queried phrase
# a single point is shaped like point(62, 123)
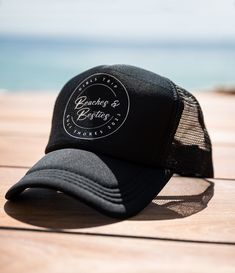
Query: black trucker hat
point(118, 134)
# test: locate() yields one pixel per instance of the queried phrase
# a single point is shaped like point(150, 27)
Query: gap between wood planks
point(116, 236)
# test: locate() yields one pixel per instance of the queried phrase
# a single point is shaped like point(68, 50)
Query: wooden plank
point(23, 129)
point(218, 109)
point(26, 114)
point(49, 252)
point(224, 159)
point(21, 151)
point(21, 122)
point(27, 150)
point(24, 119)
point(187, 208)
point(33, 102)
point(18, 113)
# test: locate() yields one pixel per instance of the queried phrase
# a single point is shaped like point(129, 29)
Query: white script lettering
point(85, 113)
point(82, 101)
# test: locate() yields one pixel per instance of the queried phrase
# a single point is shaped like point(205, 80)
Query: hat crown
point(132, 114)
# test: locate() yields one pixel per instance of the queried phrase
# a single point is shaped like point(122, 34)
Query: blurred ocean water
point(44, 65)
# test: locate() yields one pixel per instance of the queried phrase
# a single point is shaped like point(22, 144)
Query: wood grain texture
point(186, 209)
point(42, 252)
point(188, 227)
point(21, 122)
point(27, 150)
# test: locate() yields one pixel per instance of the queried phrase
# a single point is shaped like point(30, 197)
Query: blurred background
point(45, 43)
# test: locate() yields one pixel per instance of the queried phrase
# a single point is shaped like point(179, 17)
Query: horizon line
point(96, 41)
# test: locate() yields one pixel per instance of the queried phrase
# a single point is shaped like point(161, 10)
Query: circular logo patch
point(97, 107)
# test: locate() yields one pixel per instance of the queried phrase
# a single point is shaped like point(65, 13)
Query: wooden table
point(189, 227)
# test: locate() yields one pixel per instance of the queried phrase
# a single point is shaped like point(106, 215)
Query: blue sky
point(120, 19)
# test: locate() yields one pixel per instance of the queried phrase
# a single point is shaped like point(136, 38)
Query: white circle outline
point(128, 107)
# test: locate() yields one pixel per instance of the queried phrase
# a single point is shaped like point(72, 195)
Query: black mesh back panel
point(190, 153)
